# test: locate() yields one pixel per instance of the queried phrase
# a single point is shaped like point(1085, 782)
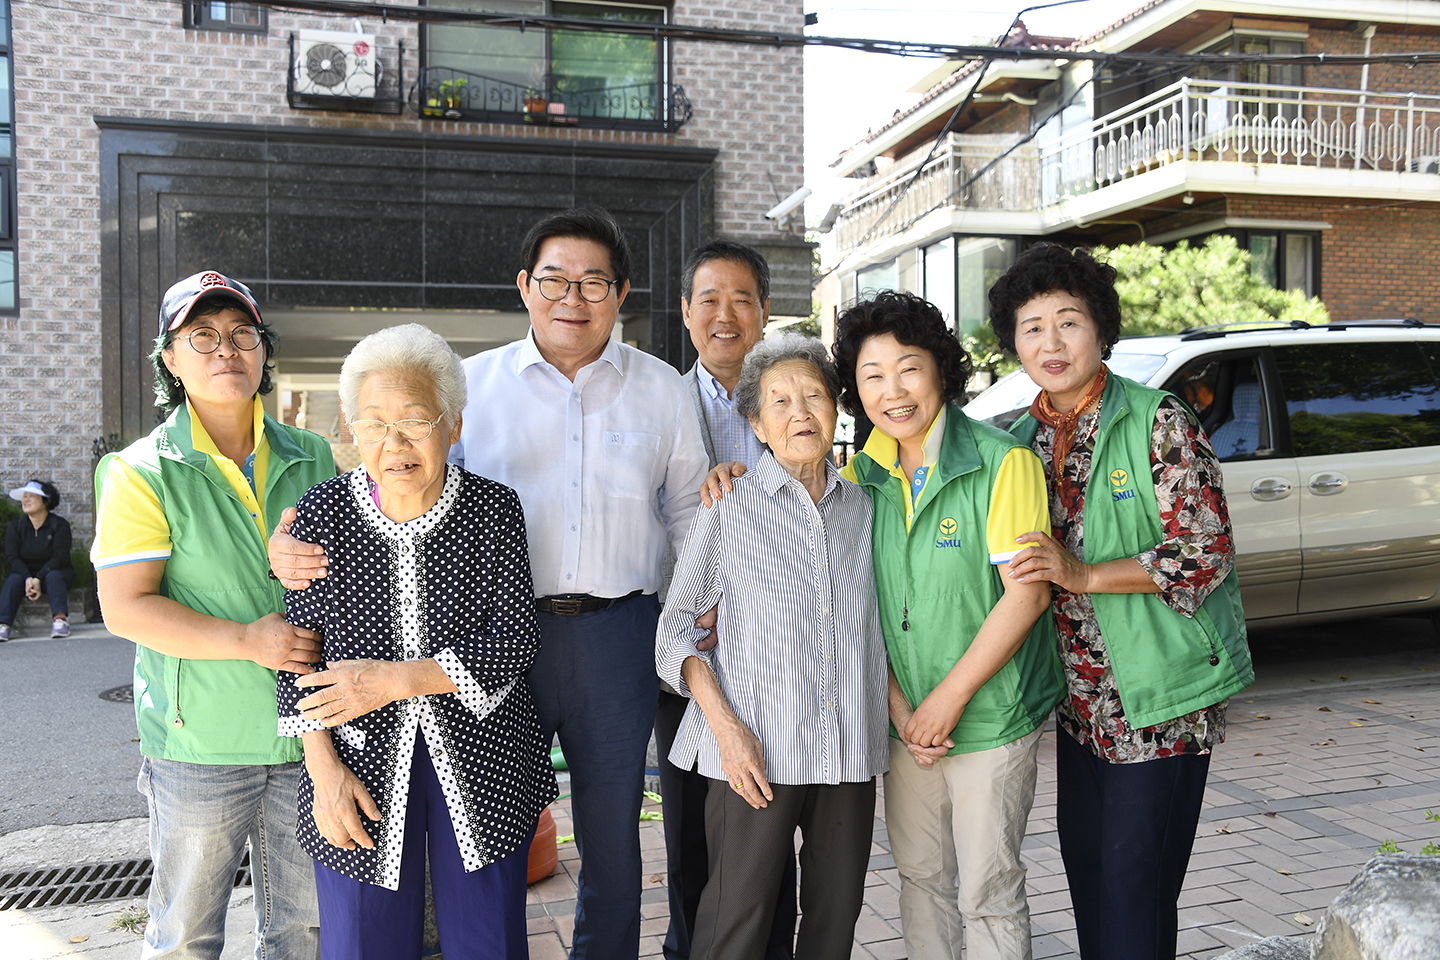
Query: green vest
point(1161, 658)
point(216, 711)
point(938, 577)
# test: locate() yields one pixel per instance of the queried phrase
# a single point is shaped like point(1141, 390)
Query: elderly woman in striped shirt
point(790, 711)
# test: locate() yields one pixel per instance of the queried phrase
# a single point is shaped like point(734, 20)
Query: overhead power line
point(766, 38)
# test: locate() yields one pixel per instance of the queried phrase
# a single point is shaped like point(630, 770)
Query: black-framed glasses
point(208, 339)
point(373, 431)
point(592, 289)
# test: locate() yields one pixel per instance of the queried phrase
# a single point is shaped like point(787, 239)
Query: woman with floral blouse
point(1146, 604)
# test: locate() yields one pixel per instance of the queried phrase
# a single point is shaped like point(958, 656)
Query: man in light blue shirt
point(725, 302)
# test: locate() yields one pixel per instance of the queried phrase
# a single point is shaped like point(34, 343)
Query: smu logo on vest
point(1118, 480)
point(948, 530)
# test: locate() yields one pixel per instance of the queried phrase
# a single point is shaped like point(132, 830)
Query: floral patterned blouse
point(1196, 554)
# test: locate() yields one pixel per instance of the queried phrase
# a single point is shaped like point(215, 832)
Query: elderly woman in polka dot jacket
point(419, 731)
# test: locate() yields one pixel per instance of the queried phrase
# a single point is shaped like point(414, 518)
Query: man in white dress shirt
point(602, 446)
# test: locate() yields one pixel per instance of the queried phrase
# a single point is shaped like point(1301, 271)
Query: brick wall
point(91, 57)
point(1391, 77)
point(1378, 260)
point(749, 103)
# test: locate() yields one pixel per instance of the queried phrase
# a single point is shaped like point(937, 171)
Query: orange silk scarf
point(1064, 423)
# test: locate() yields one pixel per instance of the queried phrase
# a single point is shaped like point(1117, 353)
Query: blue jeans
point(594, 684)
point(55, 585)
point(200, 817)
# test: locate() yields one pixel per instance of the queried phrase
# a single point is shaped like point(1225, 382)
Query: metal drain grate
point(85, 883)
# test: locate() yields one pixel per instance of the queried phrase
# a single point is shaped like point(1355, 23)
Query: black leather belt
point(573, 606)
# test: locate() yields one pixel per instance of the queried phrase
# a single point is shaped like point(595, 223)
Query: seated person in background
point(37, 547)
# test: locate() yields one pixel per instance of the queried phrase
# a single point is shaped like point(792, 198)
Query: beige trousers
point(955, 831)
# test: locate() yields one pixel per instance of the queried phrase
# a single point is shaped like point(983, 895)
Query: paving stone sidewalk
point(1308, 783)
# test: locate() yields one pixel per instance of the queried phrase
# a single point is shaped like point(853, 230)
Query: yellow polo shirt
point(132, 526)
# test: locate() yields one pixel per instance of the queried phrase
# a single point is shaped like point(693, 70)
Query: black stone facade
point(344, 218)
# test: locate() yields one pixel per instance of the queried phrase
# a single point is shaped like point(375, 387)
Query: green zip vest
point(1166, 664)
point(937, 577)
point(216, 711)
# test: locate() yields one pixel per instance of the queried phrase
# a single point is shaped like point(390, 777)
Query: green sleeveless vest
point(1162, 659)
point(937, 579)
point(216, 711)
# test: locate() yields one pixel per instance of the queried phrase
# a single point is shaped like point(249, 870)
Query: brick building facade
point(1329, 174)
point(146, 148)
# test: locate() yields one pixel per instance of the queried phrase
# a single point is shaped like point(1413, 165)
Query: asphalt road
point(70, 757)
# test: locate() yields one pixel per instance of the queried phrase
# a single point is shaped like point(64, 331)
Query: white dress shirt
point(608, 468)
point(801, 658)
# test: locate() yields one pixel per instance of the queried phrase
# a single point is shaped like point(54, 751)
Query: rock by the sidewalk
point(1272, 948)
point(1391, 911)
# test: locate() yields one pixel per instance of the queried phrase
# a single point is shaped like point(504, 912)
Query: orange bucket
point(544, 854)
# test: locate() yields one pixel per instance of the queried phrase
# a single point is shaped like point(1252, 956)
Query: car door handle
point(1328, 484)
point(1270, 488)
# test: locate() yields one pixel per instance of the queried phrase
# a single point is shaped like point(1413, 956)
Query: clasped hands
point(925, 730)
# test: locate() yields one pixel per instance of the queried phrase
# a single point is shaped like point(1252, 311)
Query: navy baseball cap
point(182, 297)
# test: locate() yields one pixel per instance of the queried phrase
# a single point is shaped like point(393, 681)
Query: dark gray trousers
point(748, 849)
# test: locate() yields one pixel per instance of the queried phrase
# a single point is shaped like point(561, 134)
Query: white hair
point(408, 350)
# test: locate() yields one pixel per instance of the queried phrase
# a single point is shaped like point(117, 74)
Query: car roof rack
point(1224, 329)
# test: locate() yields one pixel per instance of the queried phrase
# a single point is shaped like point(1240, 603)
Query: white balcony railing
point(1008, 185)
point(1253, 123)
point(1198, 120)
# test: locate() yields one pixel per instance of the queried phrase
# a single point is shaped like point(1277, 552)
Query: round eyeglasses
point(592, 289)
point(208, 339)
point(373, 431)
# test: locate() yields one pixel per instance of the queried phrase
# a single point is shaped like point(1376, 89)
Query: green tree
point(1166, 291)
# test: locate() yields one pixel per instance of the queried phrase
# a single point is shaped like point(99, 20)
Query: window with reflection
point(1284, 260)
point(1359, 397)
point(591, 73)
point(216, 15)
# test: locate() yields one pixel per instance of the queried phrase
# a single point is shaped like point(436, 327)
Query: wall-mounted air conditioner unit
point(336, 64)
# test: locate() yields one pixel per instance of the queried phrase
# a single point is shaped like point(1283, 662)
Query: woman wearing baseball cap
point(181, 570)
point(37, 547)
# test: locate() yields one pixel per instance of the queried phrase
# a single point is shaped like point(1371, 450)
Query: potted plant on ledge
point(452, 95)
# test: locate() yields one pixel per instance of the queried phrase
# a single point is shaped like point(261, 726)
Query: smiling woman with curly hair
point(1151, 632)
point(972, 678)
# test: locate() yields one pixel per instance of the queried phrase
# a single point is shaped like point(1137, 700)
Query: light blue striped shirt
point(730, 434)
point(801, 658)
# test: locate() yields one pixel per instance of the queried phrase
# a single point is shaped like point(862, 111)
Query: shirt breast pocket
point(630, 464)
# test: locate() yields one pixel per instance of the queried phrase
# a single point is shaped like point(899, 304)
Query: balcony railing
point(1008, 185)
point(1198, 120)
point(1247, 123)
point(447, 93)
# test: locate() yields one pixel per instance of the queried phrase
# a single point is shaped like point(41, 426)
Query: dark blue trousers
point(1126, 830)
point(55, 585)
point(481, 915)
point(594, 684)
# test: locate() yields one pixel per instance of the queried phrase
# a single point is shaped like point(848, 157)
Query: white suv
point(1330, 440)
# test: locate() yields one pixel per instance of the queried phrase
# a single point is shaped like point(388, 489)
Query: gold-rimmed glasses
point(373, 431)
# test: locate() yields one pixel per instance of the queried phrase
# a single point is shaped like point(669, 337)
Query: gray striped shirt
point(801, 658)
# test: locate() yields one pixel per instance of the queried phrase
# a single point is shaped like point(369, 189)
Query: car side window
point(1226, 394)
point(1357, 397)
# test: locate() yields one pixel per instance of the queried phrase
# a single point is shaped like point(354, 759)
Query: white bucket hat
point(32, 487)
